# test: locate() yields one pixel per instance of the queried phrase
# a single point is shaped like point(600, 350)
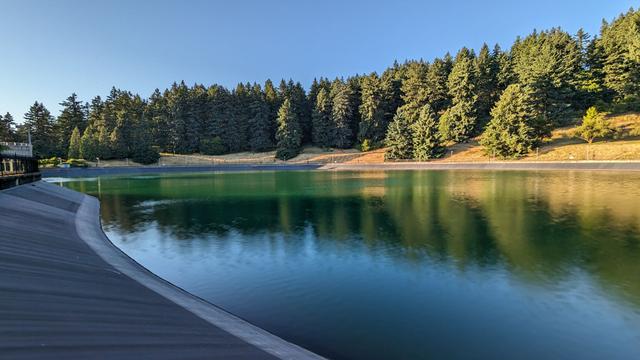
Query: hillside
point(562, 146)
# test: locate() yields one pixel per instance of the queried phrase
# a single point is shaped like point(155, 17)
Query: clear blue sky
point(49, 49)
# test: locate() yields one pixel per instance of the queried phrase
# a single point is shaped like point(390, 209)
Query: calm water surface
point(399, 265)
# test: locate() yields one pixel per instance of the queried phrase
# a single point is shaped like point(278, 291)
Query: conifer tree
point(7, 128)
point(390, 87)
point(425, 136)
point(505, 76)
point(486, 86)
point(74, 144)
point(437, 84)
point(322, 124)
point(116, 144)
point(158, 115)
point(95, 112)
point(399, 140)
point(373, 125)
point(40, 124)
point(142, 150)
point(103, 143)
point(459, 121)
point(594, 125)
point(289, 134)
point(620, 46)
point(342, 111)
point(355, 100)
point(273, 101)
point(180, 117)
point(312, 95)
point(414, 89)
point(548, 63)
point(260, 126)
point(73, 115)
point(515, 124)
point(219, 120)
point(88, 145)
point(237, 131)
point(298, 99)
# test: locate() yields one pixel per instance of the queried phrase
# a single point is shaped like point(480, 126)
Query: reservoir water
point(399, 265)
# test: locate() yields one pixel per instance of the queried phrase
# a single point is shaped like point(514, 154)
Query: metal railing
point(12, 165)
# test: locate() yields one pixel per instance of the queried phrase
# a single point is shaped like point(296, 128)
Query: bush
point(79, 163)
point(50, 162)
point(212, 146)
point(146, 156)
point(286, 153)
point(365, 146)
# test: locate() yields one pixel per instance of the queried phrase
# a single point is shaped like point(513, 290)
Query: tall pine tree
point(40, 124)
point(460, 120)
point(620, 46)
point(7, 128)
point(342, 114)
point(486, 86)
point(415, 89)
point(373, 124)
point(437, 84)
point(289, 133)
point(399, 140)
point(426, 137)
point(515, 125)
point(74, 144)
point(548, 63)
point(322, 124)
point(73, 115)
point(260, 125)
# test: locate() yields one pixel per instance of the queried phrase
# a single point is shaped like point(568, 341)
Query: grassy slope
point(562, 146)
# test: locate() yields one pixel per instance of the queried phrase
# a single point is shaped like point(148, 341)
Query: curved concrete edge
point(151, 170)
point(89, 229)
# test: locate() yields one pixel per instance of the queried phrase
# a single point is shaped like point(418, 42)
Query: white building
point(20, 149)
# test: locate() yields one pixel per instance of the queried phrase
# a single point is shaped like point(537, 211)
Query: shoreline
point(492, 165)
point(152, 169)
point(612, 165)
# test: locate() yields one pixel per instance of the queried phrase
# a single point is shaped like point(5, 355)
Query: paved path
point(66, 292)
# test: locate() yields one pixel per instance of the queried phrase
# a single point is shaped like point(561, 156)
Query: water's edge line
point(89, 229)
point(612, 165)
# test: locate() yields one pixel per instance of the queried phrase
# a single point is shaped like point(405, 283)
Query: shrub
point(594, 125)
point(286, 153)
point(365, 145)
point(80, 163)
point(146, 155)
point(212, 146)
point(50, 162)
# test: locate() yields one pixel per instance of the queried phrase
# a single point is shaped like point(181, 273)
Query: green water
point(399, 265)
